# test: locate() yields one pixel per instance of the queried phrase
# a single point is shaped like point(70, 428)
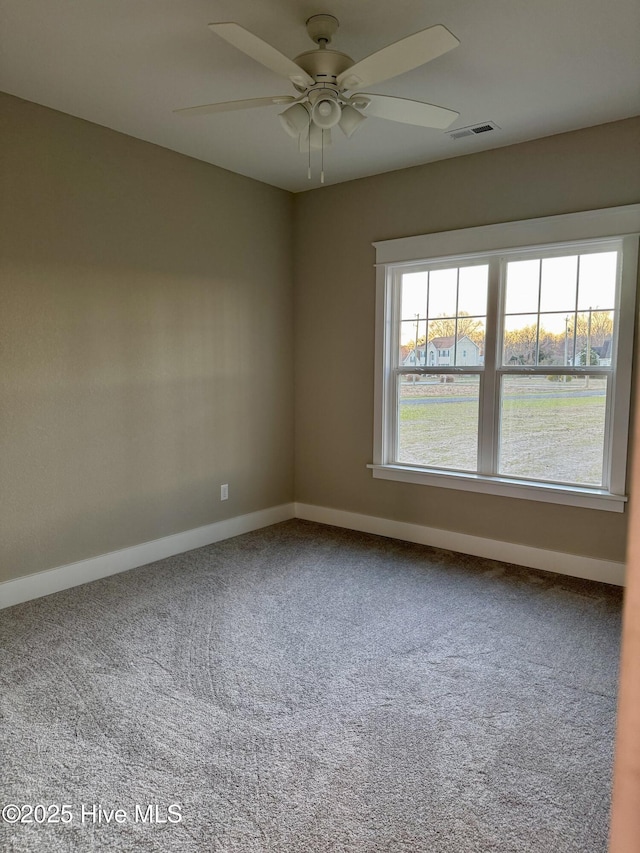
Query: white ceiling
point(535, 67)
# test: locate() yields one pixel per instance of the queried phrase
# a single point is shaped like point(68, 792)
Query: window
point(525, 390)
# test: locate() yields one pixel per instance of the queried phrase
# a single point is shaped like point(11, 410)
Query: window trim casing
point(511, 239)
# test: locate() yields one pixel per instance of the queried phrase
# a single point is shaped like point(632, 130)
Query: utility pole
point(566, 342)
point(588, 359)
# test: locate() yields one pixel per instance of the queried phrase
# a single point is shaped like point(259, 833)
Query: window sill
point(524, 489)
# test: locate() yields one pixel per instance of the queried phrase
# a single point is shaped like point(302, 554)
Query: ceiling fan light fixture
point(295, 120)
point(350, 120)
point(326, 113)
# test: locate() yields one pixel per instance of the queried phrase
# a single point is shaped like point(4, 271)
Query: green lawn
point(543, 437)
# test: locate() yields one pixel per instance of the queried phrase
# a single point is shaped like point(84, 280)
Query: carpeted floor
point(304, 689)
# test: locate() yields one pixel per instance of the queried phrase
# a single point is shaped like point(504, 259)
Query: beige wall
point(334, 317)
point(146, 334)
point(145, 341)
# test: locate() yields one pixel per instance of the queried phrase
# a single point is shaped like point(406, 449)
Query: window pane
point(443, 285)
point(594, 334)
point(597, 281)
point(414, 294)
point(412, 338)
point(472, 290)
point(520, 332)
point(559, 282)
point(555, 344)
point(596, 338)
point(523, 281)
point(438, 421)
point(552, 428)
point(470, 346)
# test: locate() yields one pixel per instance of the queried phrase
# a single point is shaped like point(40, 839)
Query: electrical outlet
point(224, 492)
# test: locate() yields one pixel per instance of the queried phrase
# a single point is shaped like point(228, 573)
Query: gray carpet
point(305, 689)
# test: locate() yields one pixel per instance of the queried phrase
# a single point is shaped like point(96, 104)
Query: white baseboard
point(64, 577)
point(589, 568)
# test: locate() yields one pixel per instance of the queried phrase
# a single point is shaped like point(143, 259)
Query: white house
point(440, 353)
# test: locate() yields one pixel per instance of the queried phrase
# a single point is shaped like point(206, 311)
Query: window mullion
point(395, 298)
point(489, 389)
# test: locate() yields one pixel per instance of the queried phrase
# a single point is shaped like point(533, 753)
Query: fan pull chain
point(309, 138)
point(322, 157)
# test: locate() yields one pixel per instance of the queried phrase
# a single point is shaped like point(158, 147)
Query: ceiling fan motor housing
point(324, 65)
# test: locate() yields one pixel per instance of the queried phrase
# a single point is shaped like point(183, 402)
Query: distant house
point(439, 352)
point(408, 356)
point(602, 356)
point(603, 353)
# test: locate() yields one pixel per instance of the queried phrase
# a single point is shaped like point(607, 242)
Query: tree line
point(590, 329)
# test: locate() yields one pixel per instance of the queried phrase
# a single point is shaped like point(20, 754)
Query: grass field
point(549, 430)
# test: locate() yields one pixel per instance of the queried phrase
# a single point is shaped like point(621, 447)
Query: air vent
point(473, 130)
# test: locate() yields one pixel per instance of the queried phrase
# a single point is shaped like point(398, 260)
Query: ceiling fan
point(328, 83)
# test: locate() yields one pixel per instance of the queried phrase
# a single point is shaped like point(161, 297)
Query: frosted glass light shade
point(295, 120)
point(326, 113)
point(350, 120)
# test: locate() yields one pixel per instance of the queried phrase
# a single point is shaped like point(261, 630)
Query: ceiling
point(534, 68)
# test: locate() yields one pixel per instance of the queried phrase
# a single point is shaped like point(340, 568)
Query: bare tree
point(600, 327)
point(520, 345)
point(445, 327)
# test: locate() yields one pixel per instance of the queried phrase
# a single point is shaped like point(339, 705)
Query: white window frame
point(495, 244)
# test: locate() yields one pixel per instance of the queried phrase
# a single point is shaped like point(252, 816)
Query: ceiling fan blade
point(401, 56)
point(229, 106)
point(406, 111)
point(262, 52)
